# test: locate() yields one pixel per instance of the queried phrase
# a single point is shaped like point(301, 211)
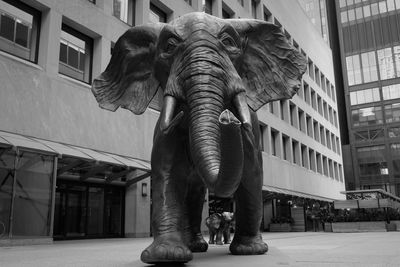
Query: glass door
point(95, 210)
point(76, 212)
point(88, 211)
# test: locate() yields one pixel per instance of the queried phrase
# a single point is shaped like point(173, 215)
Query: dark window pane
point(73, 55)
point(22, 34)
point(7, 27)
point(81, 61)
point(63, 53)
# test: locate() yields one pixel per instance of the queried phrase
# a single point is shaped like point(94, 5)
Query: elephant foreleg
point(169, 189)
point(194, 207)
point(247, 239)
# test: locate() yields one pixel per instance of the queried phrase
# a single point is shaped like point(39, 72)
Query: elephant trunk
point(215, 137)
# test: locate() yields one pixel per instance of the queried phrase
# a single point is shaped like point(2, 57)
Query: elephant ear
point(128, 80)
point(270, 66)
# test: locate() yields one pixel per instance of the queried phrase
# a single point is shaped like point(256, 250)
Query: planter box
point(280, 227)
point(391, 227)
point(351, 227)
point(397, 223)
point(328, 227)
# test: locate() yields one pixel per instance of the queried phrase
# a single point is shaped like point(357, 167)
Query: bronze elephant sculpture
point(215, 74)
point(219, 226)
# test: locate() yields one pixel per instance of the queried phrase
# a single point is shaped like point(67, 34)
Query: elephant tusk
point(167, 119)
point(243, 109)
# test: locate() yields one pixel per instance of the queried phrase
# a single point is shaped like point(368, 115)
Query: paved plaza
point(285, 249)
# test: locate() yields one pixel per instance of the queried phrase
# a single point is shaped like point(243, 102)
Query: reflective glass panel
point(367, 11)
point(33, 195)
point(385, 60)
point(7, 158)
point(392, 112)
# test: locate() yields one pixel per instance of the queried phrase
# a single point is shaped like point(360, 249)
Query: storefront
point(49, 189)
point(300, 210)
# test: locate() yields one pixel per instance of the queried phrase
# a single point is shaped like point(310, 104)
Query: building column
point(137, 209)
point(49, 48)
point(142, 10)
point(217, 8)
point(101, 55)
point(197, 5)
point(259, 11)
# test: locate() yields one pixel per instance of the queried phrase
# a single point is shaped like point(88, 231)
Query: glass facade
point(25, 194)
point(370, 35)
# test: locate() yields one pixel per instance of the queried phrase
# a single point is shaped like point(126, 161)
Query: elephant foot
point(219, 243)
point(248, 245)
point(227, 241)
point(211, 242)
point(198, 244)
point(166, 249)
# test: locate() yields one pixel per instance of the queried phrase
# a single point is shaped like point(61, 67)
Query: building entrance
point(88, 210)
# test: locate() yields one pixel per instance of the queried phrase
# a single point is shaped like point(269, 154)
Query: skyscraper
point(369, 38)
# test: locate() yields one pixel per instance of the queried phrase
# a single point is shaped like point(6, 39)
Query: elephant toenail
point(160, 251)
point(179, 253)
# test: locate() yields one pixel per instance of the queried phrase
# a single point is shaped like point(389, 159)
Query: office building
point(369, 36)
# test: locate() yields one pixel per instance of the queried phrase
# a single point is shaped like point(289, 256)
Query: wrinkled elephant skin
point(214, 74)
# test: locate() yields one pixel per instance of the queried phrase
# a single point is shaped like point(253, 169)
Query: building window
point(296, 152)
point(75, 54)
point(372, 160)
point(370, 70)
point(226, 14)
point(394, 132)
point(241, 2)
point(207, 6)
point(342, 3)
point(92, 1)
point(386, 66)
point(364, 96)
point(316, 128)
point(325, 163)
point(124, 10)
point(267, 15)
point(395, 148)
point(275, 142)
point(311, 156)
point(396, 52)
point(319, 163)
point(392, 112)
point(367, 116)
point(19, 30)
point(286, 147)
point(254, 8)
point(391, 92)
point(353, 69)
point(157, 15)
point(189, 2)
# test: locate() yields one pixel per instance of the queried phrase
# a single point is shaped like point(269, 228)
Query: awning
point(60, 149)
point(17, 140)
point(294, 193)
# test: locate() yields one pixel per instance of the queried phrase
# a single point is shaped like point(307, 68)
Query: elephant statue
point(214, 74)
point(214, 224)
point(227, 225)
point(219, 226)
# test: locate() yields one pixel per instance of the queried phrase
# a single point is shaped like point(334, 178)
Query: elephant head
point(206, 65)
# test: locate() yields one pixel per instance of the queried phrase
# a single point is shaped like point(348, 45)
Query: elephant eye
point(228, 41)
point(170, 46)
